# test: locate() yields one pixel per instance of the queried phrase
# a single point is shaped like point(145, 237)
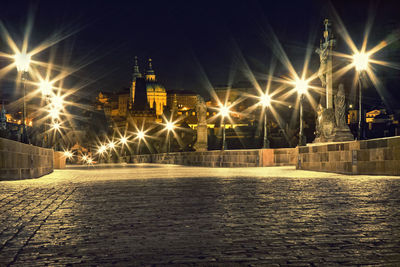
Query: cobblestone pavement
point(188, 216)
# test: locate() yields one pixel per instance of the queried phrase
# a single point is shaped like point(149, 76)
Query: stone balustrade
point(227, 158)
point(372, 157)
point(21, 161)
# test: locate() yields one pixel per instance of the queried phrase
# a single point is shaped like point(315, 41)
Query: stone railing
point(21, 161)
point(371, 157)
point(227, 158)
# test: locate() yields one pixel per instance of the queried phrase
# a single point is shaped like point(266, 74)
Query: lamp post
point(265, 100)
point(224, 112)
point(56, 103)
point(101, 150)
point(124, 142)
point(22, 61)
point(170, 127)
point(140, 136)
point(110, 145)
point(301, 87)
point(46, 88)
point(360, 61)
point(56, 126)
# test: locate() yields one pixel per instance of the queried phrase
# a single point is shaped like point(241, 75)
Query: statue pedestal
point(325, 126)
point(342, 134)
point(201, 143)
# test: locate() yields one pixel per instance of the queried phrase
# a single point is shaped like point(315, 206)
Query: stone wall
point(371, 157)
point(21, 161)
point(227, 158)
point(59, 160)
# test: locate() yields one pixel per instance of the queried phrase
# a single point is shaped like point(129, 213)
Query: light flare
point(46, 87)
point(22, 61)
point(265, 100)
point(360, 61)
point(301, 86)
point(68, 154)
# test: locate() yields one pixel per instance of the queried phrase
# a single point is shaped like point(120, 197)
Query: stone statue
point(323, 57)
point(201, 111)
point(340, 108)
point(342, 131)
point(318, 122)
point(325, 124)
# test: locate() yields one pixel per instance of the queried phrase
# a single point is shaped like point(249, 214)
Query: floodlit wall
point(371, 157)
point(21, 161)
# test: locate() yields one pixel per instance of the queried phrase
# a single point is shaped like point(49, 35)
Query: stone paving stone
point(188, 216)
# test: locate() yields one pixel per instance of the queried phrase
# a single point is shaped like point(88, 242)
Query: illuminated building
point(141, 111)
point(156, 94)
point(184, 100)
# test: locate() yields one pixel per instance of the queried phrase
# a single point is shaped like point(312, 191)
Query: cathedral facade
point(156, 93)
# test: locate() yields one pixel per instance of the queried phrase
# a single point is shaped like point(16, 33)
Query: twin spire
point(150, 75)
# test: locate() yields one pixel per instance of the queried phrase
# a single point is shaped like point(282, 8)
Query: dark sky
point(192, 43)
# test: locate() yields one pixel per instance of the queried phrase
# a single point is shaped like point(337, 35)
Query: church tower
point(156, 93)
point(136, 74)
point(150, 75)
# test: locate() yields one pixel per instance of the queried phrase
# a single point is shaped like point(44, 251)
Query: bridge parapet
point(22, 161)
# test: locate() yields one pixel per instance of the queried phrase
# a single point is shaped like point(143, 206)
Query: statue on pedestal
point(342, 131)
point(325, 121)
point(323, 56)
point(340, 108)
point(201, 111)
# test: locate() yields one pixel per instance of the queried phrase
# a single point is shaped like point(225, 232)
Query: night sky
point(192, 43)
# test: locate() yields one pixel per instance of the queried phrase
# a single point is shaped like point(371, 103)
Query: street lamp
point(124, 142)
point(265, 101)
point(140, 135)
point(46, 88)
point(301, 87)
point(84, 158)
point(170, 127)
point(360, 61)
point(101, 150)
point(111, 145)
point(22, 61)
point(68, 154)
point(57, 102)
point(223, 112)
point(56, 126)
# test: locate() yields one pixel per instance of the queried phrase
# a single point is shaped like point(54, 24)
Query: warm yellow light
point(169, 126)
point(22, 61)
point(54, 113)
point(56, 126)
point(301, 86)
point(68, 154)
point(89, 160)
point(84, 158)
point(111, 144)
point(265, 100)
point(46, 88)
point(57, 101)
point(360, 61)
point(102, 149)
point(124, 140)
point(140, 135)
point(224, 111)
